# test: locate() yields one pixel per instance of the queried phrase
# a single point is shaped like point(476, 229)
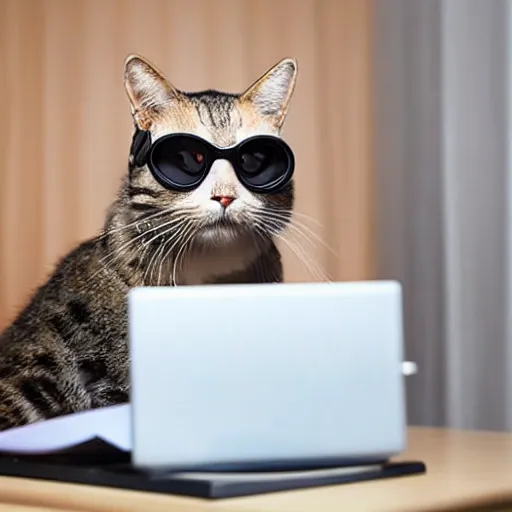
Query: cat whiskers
point(150, 267)
point(316, 271)
point(281, 225)
point(182, 252)
point(141, 260)
point(140, 220)
point(183, 232)
point(296, 225)
point(126, 247)
point(176, 238)
point(179, 218)
point(288, 214)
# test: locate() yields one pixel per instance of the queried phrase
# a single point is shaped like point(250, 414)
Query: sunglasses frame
point(143, 150)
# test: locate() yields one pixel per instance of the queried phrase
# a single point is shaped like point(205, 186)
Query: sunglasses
point(263, 163)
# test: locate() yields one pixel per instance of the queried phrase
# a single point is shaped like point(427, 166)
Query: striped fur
point(66, 351)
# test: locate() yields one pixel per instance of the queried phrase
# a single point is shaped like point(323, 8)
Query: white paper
point(112, 424)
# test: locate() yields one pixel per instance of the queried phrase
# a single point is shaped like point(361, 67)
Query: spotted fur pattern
point(67, 349)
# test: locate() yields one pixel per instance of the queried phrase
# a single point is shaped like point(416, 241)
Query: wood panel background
point(66, 126)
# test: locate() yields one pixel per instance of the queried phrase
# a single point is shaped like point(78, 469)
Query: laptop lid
point(243, 376)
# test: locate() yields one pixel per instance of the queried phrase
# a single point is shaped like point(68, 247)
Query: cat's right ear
point(147, 88)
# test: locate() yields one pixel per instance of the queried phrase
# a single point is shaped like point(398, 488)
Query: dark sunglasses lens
point(180, 160)
point(263, 162)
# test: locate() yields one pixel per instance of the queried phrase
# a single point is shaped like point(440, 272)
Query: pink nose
point(224, 200)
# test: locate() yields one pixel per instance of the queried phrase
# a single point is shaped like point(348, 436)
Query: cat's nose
point(224, 200)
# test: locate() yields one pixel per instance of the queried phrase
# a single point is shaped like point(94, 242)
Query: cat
point(67, 349)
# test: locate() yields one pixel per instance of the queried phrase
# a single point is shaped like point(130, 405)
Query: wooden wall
point(66, 127)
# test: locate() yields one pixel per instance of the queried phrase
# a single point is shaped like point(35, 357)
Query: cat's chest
point(205, 266)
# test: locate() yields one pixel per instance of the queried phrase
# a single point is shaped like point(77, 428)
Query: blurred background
point(401, 127)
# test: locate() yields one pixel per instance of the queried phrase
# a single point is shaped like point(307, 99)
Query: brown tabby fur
point(67, 350)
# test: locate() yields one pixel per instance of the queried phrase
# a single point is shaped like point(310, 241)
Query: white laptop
point(266, 376)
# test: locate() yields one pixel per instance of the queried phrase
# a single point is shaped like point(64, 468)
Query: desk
point(463, 467)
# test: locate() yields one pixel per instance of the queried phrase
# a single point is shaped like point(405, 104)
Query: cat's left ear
point(147, 88)
point(271, 94)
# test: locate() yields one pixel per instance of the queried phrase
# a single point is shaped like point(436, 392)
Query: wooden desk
point(463, 467)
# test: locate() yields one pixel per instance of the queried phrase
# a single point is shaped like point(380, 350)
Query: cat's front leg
point(38, 382)
point(110, 394)
point(29, 398)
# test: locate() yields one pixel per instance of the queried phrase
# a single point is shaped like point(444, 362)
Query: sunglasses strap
point(141, 144)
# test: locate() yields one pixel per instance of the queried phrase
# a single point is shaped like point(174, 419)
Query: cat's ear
point(271, 93)
point(147, 87)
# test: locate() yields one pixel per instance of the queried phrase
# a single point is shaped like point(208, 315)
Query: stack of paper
point(109, 425)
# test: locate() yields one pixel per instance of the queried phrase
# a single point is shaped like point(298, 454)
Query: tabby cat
point(67, 349)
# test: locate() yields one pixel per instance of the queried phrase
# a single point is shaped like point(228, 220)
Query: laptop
point(267, 376)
